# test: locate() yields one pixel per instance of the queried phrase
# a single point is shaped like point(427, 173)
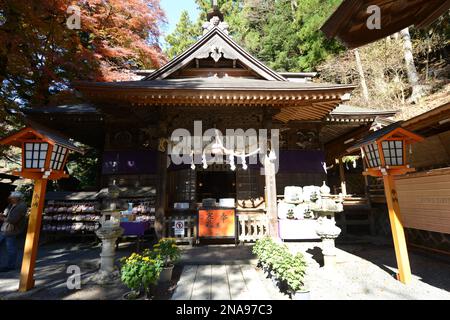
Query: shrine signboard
point(217, 223)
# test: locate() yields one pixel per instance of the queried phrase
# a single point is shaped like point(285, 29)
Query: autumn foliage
point(40, 55)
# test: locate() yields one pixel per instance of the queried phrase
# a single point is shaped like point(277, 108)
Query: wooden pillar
point(161, 197)
point(398, 233)
point(271, 197)
point(161, 190)
point(342, 177)
point(32, 238)
point(271, 185)
point(366, 181)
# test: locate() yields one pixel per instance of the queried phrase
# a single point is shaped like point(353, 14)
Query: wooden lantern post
point(385, 155)
point(44, 154)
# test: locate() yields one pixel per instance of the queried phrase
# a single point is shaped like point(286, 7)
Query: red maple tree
point(40, 55)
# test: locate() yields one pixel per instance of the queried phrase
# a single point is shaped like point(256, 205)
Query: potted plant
point(168, 252)
point(140, 273)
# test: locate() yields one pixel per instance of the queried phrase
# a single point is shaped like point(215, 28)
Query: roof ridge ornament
point(216, 52)
point(215, 19)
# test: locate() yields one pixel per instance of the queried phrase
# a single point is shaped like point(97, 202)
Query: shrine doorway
point(216, 185)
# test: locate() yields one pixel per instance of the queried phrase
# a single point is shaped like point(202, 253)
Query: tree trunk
point(413, 78)
point(362, 77)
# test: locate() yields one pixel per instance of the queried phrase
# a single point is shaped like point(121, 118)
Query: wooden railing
point(252, 226)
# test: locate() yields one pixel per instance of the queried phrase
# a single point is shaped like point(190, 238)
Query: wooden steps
point(358, 216)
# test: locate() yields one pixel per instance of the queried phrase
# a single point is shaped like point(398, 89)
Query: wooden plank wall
point(434, 152)
point(424, 199)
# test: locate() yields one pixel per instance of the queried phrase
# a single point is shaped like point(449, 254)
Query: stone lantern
point(108, 233)
point(326, 208)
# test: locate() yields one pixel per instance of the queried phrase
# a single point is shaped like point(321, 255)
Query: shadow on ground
point(431, 268)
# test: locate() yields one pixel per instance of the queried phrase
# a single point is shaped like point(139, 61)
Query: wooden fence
point(251, 227)
point(424, 199)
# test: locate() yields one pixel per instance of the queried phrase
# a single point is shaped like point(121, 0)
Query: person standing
point(14, 222)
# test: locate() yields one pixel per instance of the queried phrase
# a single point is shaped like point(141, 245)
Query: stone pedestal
point(328, 232)
point(108, 236)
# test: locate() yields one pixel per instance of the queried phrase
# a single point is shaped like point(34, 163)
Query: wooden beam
point(398, 233)
point(338, 148)
point(342, 177)
point(271, 186)
point(32, 237)
point(349, 22)
point(161, 197)
point(271, 197)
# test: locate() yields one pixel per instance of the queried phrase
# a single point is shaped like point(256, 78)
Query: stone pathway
point(225, 282)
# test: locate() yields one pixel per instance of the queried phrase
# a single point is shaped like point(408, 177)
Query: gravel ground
point(366, 272)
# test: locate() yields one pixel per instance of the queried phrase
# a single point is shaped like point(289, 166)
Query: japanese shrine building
point(216, 82)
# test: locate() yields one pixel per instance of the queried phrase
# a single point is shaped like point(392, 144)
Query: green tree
point(284, 34)
point(313, 46)
point(184, 35)
point(187, 32)
point(278, 41)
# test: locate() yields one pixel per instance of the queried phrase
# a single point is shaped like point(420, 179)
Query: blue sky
point(173, 9)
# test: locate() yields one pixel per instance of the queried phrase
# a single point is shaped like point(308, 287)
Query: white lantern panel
point(35, 155)
point(372, 154)
point(57, 159)
point(393, 152)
